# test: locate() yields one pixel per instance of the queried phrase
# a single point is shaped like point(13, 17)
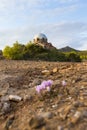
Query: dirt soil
point(63, 108)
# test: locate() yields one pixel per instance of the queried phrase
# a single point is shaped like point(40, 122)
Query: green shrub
point(73, 57)
point(32, 51)
point(16, 52)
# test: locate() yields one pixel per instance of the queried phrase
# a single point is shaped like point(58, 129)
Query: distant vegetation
point(67, 50)
point(83, 55)
point(31, 51)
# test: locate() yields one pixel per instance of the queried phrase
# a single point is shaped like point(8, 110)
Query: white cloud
point(18, 13)
point(22, 19)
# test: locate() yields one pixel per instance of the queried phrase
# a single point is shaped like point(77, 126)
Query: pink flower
point(45, 85)
point(64, 83)
point(49, 82)
point(38, 89)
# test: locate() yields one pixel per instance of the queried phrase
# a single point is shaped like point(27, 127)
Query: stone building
point(42, 40)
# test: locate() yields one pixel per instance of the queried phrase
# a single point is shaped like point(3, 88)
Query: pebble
point(6, 107)
point(55, 70)
point(47, 115)
point(60, 128)
point(28, 98)
point(35, 82)
point(63, 112)
point(46, 128)
point(9, 122)
point(85, 113)
point(47, 72)
point(76, 117)
point(55, 106)
point(78, 104)
point(56, 82)
point(15, 98)
point(36, 122)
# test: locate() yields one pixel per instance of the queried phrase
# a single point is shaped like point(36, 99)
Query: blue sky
point(63, 21)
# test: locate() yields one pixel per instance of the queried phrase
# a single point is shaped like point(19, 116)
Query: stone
point(55, 106)
point(81, 98)
point(73, 91)
point(35, 82)
point(47, 115)
point(85, 113)
point(4, 99)
point(63, 112)
point(78, 104)
point(6, 107)
point(46, 128)
point(36, 122)
point(44, 67)
point(78, 79)
point(76, 117)
point(55, 70)
point(57, 82)
point(60, 128)
point(41, 109)
point(15, 98)
point(9, 122)
point(84, 93)
point(27, 98)
point(1, 94)
point(46, 72)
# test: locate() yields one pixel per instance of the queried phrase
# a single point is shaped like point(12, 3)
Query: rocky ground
point(63, 108)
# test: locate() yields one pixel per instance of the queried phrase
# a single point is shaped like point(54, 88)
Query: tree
point(7, 52)
point(16, 52)
point(73, 57)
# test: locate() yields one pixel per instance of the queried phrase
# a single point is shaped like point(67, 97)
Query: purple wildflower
point(43, 86)
point(38, 88)
point(49, 82)
point(64, 83)
point(44, 83)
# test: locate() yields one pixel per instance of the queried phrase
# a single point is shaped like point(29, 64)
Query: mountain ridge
point(68, 49)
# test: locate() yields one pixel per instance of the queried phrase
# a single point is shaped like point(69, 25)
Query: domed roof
point(40, 36)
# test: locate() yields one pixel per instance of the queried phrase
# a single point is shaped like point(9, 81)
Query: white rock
point(45, 72)
point(60, 128)
point(55, 106)
point(15, 98)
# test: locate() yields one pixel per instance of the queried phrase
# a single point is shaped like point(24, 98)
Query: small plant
point(44, 86)
point(73, 57)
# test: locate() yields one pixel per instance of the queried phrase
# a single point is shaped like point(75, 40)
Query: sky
point(64, 22)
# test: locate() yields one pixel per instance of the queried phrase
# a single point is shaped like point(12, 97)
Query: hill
point(67, 49)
